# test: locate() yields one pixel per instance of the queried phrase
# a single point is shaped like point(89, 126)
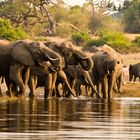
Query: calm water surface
point(70, 119)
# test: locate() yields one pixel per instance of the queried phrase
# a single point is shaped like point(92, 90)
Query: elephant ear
point(22, 54)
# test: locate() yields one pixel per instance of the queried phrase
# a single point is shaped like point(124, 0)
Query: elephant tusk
point(84, 58)
point(98, 96)
point(52, 59)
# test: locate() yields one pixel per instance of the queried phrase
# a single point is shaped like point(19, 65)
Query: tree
point(100, 5)
point(28, 12)
point(132, 17)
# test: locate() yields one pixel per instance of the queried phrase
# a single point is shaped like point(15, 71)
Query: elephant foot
point(67, 95)
point(20, 94)
point(47, 94)
point(31, 95)
point(9, 94)
point(58, 95)
point(92, 95)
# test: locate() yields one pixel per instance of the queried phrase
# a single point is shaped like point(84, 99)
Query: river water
point(70, 119)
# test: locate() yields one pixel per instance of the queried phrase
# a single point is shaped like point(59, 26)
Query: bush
point(80, 38)
point(136, 41)
point(115, 39)
point(95, 42)
point(10, 33)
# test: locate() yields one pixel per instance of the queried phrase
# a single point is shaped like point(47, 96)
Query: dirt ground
point(130, 88)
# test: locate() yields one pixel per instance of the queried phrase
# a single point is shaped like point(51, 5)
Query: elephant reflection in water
point(18, 57)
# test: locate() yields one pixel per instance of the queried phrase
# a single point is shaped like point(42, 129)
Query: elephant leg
point(130, 77)
point(32, 85)
point(0, 86)
point(64, 78)
point(26, 76)
point(120, 83)
point(88, 78)
point(135, 78)
point(99, 88)
point(16, 76)
point(57, 90)
point(77, 89)
point(12, 88)
point(105, 86)
point(111, 84)
point(54, 78)
point(72, 85)
point(64, 90)
point(48, 86)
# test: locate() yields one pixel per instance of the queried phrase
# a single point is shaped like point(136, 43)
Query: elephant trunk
point(54, 59)
point(86, 63)
point(88, 78)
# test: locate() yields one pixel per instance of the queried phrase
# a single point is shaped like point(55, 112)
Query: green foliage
point(136, 41)
point(132, 17)
point(10, 33)
point(95, 42)
point(80, 38)
point(115, 39)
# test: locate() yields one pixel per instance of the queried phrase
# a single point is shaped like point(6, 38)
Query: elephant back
point(5, 47)
point(21, 53)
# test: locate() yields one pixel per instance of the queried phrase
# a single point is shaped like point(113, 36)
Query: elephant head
point(33, 53)
point(71, 55)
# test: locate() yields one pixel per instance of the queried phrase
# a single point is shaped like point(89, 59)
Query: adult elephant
point(69, 56)
point(77, 77)
point(106, 71)
point(18, 57)
point(50, 77)
point(134, 72)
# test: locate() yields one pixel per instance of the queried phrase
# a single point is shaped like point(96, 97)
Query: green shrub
point(95, 42)
point(136, 41)
point(115, 39)
point(80, 38)
point(10, 33)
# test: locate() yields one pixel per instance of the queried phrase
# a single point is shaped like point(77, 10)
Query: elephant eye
point(118, 62)
point(38, 52)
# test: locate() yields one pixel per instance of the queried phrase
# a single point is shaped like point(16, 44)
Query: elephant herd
point(32, 64)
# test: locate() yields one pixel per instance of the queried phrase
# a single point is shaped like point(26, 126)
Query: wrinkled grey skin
point(19, 57)
point(42, 80)
point(134, 72)
point(5, 60)
point(77, 77)
point(69, 56)
point(106, 71)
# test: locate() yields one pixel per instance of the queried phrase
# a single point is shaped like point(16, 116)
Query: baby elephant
point(134, 71)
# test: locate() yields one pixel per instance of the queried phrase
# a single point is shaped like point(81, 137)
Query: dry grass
point(131, 36)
